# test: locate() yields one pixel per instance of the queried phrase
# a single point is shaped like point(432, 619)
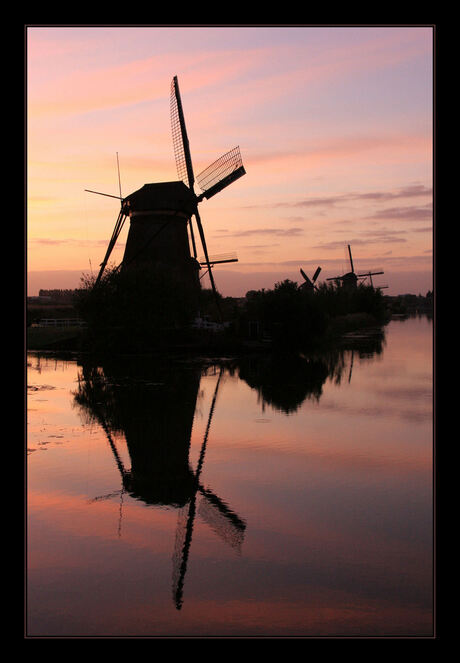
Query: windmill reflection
point(153, 405)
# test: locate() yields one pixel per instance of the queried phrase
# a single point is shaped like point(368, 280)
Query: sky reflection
point(303, 517)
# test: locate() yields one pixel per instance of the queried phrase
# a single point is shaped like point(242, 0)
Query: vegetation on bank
point(300, 318)
point(142, 311)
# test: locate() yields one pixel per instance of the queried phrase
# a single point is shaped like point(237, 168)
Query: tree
point(135, 308)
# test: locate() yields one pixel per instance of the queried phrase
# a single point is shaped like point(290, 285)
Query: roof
point(163, 195)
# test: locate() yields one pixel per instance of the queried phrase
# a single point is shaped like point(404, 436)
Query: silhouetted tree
point(135, 308)
point(296, 318)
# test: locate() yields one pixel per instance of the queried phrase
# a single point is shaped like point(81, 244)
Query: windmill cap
point(163, 195)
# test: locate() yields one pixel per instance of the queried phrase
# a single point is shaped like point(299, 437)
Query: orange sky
point(334, 127)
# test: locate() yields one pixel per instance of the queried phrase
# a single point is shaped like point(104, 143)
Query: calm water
point(264, 498)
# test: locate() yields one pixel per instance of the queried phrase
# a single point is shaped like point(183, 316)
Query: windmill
point(309, 284)
point(350, 279)
point(161, 214)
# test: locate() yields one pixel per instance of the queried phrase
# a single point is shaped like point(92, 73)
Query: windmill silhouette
point(310, 284)
point(350, 279)
point(161, 213)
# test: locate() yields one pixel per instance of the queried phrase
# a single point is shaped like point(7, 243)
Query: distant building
point(57, 296)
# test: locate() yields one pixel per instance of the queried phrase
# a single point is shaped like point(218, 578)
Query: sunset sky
point(334, 125)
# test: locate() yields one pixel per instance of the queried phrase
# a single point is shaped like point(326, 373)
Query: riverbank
point(194, 342)
point(286, 319)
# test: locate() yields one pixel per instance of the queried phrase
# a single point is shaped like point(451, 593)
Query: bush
point(296, 318)
point(135, 308)
point(288, 314)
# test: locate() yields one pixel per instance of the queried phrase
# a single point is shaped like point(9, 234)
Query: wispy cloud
point(278, 232)
point(412, 191)
point(405, 213)
point(385, 238)
point(70, 242)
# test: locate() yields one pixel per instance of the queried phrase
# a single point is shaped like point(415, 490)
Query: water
point(253, 499)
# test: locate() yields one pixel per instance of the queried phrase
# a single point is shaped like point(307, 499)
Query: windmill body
point(159, 215)
point(349, 280)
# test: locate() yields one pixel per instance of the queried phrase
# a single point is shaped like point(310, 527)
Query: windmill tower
point(350, 279)
point(309, 284)
point(161, 233)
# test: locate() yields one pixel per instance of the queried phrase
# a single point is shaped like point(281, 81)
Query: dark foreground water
point(260, 498)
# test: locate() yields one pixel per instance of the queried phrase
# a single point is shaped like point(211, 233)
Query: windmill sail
point(351, 259)
point(187, 518)
point(316, 274)
point(185, 170)
point(306, 278)
point(221, 519)
point(222, 172)
point(180, 138)
point(310, 283)
point(116, 232)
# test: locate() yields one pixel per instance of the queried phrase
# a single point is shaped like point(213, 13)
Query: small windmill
point(161, 214)
point(310, 284)
point(350, 279)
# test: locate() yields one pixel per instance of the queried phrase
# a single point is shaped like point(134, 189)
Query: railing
point(61, 322)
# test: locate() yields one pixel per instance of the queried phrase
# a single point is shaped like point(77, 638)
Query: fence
point(61, 322)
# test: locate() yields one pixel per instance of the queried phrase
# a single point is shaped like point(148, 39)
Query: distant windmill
point(350, 279)
point(161, 213)
point(310, 284)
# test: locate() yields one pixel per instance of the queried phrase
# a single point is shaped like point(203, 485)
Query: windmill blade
point(182, 544)
point(207, 262)
point(186, 520)
point(222, 172)
point(108, 496)
point(221, 518)
point(316, 274)
point(192, 237)
point(351, 259)
point(370, 273)
point(219, 259)
point(179, 135)
point(351, 366)
point(307, 280)
point(104, 194)
point(116, 232)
